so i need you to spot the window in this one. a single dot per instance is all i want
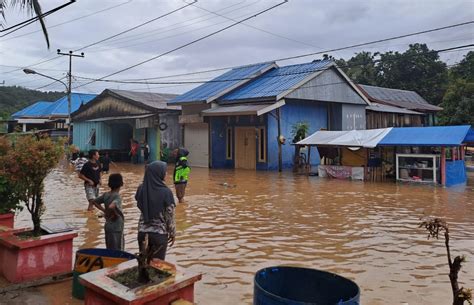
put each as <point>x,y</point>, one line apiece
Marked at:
<point>91,140</point>
<point>262,145</point>
<point>228,151</point>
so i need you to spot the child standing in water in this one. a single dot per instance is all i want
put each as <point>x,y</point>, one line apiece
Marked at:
<point>114,220</point>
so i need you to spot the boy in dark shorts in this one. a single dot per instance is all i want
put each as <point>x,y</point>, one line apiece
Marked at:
<point>114,220</point>
<point>90,173</point>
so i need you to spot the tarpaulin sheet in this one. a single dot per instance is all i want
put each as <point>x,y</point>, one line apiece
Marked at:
<point>426,136</point>
<point>353,138</point>
<point>455,172</point>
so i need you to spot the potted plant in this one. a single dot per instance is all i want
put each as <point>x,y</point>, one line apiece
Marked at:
<point>299,131</point>
<point>9,197</point>
<point>141,281</point>
<point>29,254</point>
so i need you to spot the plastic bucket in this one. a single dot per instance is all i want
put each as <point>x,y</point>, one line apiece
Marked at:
<point>302,286</point>
<point>94,259</point>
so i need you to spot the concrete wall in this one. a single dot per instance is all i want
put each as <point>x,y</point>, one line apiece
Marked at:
<point>173,134</point>
<point>353,117</point>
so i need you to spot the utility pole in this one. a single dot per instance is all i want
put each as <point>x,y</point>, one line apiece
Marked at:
<point>69,76</point>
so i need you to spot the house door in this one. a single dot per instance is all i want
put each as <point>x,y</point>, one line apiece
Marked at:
<point>245,148</point>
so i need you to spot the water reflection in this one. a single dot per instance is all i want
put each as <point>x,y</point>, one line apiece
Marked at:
<point>236,222</point>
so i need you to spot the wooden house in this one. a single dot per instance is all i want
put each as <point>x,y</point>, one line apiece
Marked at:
<point>115,117</point>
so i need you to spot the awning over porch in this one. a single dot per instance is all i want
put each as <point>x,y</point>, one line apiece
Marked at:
<point>427,136</point>
<point>242,109</point>
<point>352,138</point>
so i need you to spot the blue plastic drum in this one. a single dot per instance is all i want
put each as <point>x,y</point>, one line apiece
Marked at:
<point>302,286</point>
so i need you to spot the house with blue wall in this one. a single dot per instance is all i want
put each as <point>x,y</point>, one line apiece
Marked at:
<point>244,115</point>
<point>114,117</point>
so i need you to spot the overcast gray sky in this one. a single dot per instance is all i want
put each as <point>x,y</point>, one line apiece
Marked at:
<point>297,27</point>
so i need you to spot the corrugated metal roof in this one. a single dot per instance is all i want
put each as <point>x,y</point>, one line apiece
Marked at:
<point>426,136</point>
<point>390,109</point>
<point>59,107</point>
<point>223,83</point>
<point>34,110</point>
<point>245,109</point>
<point>155,100</point>
<point>398,98</point>
<point>275,82</point>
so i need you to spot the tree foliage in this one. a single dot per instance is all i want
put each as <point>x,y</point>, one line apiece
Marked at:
<point>28,161</point>
<point>420,69</point>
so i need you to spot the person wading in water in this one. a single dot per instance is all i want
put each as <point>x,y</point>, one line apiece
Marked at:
<point>181,173</point>
<point>156,203</point>
<point>90,173</point>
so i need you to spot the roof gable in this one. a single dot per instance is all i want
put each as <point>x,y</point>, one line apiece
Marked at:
<point>223,84</point>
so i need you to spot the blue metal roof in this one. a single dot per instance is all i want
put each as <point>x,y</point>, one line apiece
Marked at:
<point>36,109</point>
<point>222,83</point>
<point>426,136</point>
<point>470,136</point>
<point>275,81</point>
<point>59,107</point>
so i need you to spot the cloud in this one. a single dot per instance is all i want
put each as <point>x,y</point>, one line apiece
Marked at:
<point>308,25</point>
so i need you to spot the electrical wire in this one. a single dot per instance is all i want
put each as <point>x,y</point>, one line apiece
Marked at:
<point>69,21</point>
<point>146,81</point>
<point>135,27</point>
<point>192,42</point>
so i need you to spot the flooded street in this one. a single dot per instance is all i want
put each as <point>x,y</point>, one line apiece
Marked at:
<point>236,222</point>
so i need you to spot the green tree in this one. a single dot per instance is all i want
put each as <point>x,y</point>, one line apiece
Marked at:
<point>30,6</point>
<point>418,69</point>
<point>361,68</point>
<point>458,102</point>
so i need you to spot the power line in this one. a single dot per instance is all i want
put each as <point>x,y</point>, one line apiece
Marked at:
<point>34,19</point>
<point>268,76</point>
<point>172,27</point>
<point>69,21</point>
<point>191,42</point>
<point>107,38</point>
<point>135,27</point>
<point>254,27</point>
<point>312,54</point>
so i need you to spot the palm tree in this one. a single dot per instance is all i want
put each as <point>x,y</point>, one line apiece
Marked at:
<point>30,6</point>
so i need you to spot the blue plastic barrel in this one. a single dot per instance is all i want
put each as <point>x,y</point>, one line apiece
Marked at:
<point>92,259</point>
<point>302,286</point>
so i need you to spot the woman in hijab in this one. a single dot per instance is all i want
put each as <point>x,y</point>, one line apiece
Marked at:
<point>156,203</point>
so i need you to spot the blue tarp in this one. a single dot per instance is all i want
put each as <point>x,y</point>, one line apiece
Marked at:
<point>426,136</point>
<point>455,172</point>
<point>34,110</point>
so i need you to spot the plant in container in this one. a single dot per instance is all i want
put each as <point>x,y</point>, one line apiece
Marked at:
<point>150,281</point>
<point>9,196</point>
<point>31,254</point>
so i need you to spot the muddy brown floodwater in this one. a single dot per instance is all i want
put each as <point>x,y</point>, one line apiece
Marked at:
<point>236,222</point>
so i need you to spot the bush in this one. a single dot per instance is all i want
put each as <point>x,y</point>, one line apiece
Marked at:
<point>26,164</point>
